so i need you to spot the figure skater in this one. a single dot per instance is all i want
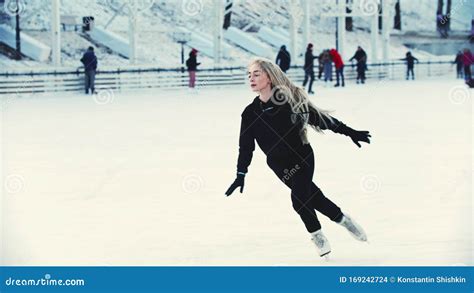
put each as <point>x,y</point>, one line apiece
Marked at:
<point>277,119</point>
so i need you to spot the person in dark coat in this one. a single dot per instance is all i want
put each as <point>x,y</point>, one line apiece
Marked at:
<point>327,66</point>
<point>459,65</point>
<point>89,60</point>
<point>192,65</point>
<point>309,68</point>
<point>339,65</point>
<point>320,65</point>
<point>410,60</point>
<point>361,57</point>
<point>277,119</point>
<point>467,60</point>
<point>283,59</point>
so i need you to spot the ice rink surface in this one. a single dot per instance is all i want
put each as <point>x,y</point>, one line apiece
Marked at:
<point>138,178</point>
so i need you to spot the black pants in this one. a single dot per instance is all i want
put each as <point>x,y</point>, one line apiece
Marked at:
<point>296,171</point>
<point>308,73</point>
<point>340,74</point>
<point>467,72</point>
<point>89,81</point>
<point>361,71</point>
<point>410,69</point>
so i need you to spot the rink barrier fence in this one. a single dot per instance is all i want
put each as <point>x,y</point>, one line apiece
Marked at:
<point>132,78</point>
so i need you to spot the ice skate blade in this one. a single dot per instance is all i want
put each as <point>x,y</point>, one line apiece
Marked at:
<point>325,255</point>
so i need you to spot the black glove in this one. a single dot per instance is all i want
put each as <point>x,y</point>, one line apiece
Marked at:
<point>239,181</point>
<point>357,136</point>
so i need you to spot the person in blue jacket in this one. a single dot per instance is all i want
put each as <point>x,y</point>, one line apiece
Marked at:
<point>277,119</point>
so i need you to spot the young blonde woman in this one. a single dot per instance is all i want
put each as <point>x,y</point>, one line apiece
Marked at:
<point>277,119</point>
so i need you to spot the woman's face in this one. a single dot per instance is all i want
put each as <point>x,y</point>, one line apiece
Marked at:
<point>258,79</point>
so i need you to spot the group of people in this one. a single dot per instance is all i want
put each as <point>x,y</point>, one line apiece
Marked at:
<point>326,58</point>
<point>89,61</point>
<point>325,65</point>
<point>464,61</point>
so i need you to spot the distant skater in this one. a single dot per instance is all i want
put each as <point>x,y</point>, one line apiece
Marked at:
<point>410,59</point>
<point>192,65</point>
<point>89,60</point>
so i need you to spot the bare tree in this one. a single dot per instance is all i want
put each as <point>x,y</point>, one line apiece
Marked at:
<point>348,18</point>
<point>448,15</point>
<point>440,7</point>
<point>398,17</point>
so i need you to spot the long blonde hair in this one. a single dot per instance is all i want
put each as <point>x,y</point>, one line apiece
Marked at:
<point>284,90</point>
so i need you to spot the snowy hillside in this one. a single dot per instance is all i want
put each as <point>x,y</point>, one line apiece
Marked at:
<point>158,20</point>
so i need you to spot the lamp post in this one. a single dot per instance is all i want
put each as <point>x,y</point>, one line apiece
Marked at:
<point>182,38</point>
<point>17,31</point>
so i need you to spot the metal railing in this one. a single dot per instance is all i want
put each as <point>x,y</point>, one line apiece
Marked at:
<point>132,78</point>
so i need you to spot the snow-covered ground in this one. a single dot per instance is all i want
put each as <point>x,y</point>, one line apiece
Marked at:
<point>140,179</point>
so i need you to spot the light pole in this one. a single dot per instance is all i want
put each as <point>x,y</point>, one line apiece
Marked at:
<point>182,38</point>
<point>337,28</point>
<point>17,31</point>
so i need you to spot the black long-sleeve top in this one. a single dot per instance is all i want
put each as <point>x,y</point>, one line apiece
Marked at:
<point>359,56</point>
<point>410,61</point>
<point>192,63</point>
<point>458,60</point>
<point>270,124</point>
<point>309,60</point>
<point>89,60</point>
<point>283,59</point>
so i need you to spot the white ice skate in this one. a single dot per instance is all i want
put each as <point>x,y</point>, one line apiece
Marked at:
<point>321,242</point>
<point>355,229</point>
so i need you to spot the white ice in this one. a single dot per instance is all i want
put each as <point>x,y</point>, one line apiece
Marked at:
<point>138,178</point>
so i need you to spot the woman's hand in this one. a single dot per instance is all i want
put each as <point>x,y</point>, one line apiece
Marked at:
<point>239,181</point>
<point>357,136</point>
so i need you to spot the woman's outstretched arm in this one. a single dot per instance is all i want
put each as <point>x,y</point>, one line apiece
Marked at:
<point>337,126</point>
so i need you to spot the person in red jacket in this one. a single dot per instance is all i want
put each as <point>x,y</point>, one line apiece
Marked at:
<point>339,64</point>
<point>467,60</point>
<point>192,65</point>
